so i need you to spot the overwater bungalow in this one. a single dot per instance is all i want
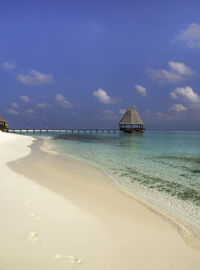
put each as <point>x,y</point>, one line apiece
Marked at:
<point>131,122</point>
<point>4,125</point>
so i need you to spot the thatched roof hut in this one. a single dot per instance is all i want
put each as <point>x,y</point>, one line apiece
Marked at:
<point>131,121</point>
<point>3,124</point>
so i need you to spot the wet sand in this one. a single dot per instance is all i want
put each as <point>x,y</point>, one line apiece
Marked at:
<point>60,213</point>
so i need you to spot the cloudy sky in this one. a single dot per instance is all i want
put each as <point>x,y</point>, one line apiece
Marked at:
<point>81,64</point>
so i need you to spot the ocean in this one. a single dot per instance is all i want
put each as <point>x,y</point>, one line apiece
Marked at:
<point>159,168</point>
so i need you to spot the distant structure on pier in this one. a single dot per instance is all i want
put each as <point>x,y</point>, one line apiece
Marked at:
<point>131,122</point>
<point>4,125</point>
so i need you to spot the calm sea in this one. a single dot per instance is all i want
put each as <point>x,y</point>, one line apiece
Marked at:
<point>159,168</point>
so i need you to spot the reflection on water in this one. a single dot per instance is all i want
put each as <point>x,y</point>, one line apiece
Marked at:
<point>166,161</point>
<point>120,139</point>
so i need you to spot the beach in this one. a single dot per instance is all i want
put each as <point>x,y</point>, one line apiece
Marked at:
<point>61,213</point>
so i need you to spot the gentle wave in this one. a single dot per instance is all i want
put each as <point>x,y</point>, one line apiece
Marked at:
<point>160,169</point>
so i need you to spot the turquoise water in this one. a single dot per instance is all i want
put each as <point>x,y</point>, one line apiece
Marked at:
<point>166,161</point>
<point>161,168</point>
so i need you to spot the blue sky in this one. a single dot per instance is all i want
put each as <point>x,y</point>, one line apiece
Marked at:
<point>80,64</point>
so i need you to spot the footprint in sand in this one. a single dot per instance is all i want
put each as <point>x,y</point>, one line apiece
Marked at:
<point>35,216</point>
<point>27,202</point>
<point>66,258</point>
<point>33,237</point>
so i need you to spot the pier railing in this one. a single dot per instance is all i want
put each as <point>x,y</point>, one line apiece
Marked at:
<point>64,131</point>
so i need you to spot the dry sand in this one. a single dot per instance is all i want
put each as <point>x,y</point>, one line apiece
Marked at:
<point>59,213</point>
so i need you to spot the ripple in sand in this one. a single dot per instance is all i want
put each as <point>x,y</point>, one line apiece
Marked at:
<point>66,258</point>
<point>27,202</point>
<point>35,216</point>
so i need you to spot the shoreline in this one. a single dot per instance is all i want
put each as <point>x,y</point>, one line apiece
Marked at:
<point>190,233</point>
<point>82,212</point>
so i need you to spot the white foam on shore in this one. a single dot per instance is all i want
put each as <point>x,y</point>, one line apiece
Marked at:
<point>68,236</point>
<point>169,208</point>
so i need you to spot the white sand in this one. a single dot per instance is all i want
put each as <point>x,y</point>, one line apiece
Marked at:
<point>70,218</point>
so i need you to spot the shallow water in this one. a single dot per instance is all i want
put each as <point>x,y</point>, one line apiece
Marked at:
<point>160,168</point>
<point>165,161</point>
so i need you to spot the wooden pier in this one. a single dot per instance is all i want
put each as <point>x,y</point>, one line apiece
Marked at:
<point>64,131</point>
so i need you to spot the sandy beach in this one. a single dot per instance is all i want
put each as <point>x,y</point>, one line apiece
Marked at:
<point>60,213</point>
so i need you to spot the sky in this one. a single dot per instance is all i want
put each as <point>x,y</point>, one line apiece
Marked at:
<point>81,63</point>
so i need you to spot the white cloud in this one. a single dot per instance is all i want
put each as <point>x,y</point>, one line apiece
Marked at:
<point>187,93</point>
<point>141,89</point>
<point>103,97</point>
<point>171,116</point>
<point>190,35</point>
<point>63,101</point>
<point>12,111</point>
<point>154,115</point>
<point>44,105</point>
<point>159,115</point>
<point>122,111</point>
<point>176,72</point>
<point>14,105</point>
<point>173,95</point>
<point>35,77</point>
<point>165,75</point>
<point>178,108</point>
<point>25,99</point>
<point>180,68</point>
<point>29,111</point>
<point>8,66</point>
<point>26,79</point>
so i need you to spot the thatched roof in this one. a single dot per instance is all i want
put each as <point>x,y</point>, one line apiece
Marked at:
<point>131,117</point>
<point>2,120</point>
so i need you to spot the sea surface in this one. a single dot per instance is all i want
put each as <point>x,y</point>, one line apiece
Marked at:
<point>159,168</point>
